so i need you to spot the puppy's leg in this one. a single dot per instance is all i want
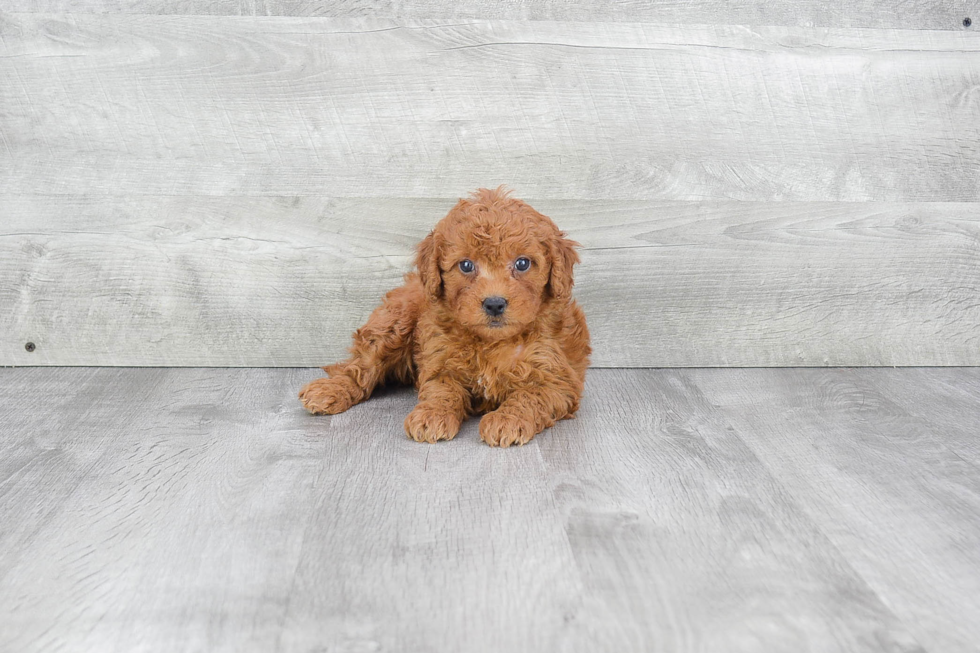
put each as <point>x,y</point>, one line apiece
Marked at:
<point>442,407</point>
<point>382,349</point>
<point>528,410</point>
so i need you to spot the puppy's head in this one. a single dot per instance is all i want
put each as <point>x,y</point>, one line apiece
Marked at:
<point>494,262</point>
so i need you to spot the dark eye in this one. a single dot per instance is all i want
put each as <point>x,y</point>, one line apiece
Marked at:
<point>466,266</point>
<point>522,264</point>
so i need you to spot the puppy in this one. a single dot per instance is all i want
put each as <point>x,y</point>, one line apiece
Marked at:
<point>486,326</point>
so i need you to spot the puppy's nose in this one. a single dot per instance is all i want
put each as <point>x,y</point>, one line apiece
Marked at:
<point>494,306</point>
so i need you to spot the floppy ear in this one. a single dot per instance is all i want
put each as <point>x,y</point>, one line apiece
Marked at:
<point>427,261</point>
<point>563,257</point>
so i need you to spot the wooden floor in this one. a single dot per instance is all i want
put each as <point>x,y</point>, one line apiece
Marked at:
<point>684,510</point>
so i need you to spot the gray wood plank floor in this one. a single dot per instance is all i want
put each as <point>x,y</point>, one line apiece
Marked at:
<point>683,510</point>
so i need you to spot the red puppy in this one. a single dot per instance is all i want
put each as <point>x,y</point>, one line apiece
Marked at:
<point>487,325</point>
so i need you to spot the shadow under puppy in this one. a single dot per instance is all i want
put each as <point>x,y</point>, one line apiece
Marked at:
<point>487,325</point>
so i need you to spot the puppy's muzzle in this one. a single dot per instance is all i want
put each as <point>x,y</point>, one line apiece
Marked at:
<point>494,306</point>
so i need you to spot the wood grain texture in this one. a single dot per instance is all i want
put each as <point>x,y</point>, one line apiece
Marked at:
<point>190,509</point>
<point>151,511</point>
<point>668,510</point>
<point>158,280</point>
<point>430,548</point>
<point>122,104</point>
<point>910,14</point>
<point>216,190</point>
<point>935,399</point>
<point>887,487</point>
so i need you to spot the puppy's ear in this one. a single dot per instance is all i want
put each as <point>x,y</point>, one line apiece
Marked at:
<point>563,257</point>
<point>427,261</point>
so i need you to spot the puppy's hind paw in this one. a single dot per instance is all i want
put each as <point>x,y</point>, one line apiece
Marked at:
<point>328,396</point>
<point>500,429</point>
<point>427,424</point>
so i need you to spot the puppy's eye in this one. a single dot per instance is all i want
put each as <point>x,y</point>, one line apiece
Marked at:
<point>466,266</point>
<point>522,264</point>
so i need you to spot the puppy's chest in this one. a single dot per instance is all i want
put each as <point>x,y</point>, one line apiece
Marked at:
<point>493,375</point>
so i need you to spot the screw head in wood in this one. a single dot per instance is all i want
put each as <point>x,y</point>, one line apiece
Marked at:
<point>30,346</point>
<point>967,22</point>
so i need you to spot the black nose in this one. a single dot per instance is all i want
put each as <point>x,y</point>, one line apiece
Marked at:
<point>494,306</point>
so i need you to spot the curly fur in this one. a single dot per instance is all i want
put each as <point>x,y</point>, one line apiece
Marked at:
<point>523,371</point>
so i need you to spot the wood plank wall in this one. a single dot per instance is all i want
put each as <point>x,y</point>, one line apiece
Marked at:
<point>236,183</point>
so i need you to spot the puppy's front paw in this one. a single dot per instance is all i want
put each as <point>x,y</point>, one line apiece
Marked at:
<point>327,396</point>
<point>428,424</point>
<point>500,429</point>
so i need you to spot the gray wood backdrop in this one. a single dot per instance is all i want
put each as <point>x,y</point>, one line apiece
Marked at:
<point>235,183</point>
